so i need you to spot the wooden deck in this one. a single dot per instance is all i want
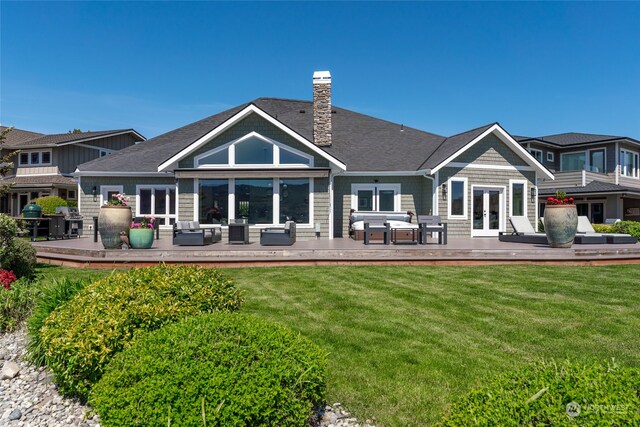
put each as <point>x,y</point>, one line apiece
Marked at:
<point>83,252</point>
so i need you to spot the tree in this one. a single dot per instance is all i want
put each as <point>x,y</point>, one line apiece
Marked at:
<point>6,165</point>
<point>76,131</point>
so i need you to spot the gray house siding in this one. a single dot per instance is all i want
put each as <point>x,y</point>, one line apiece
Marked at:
<point>489,152</point>
<point>415,196</point>
<point>68,157</point>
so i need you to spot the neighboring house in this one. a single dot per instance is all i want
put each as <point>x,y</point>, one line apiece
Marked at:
<point>277,159</point>
<point>601,172</point>
<point>44,163</point>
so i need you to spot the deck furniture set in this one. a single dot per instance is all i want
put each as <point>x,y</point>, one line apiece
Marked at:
<point>395,227</point>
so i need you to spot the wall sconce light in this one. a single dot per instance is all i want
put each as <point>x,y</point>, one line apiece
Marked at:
<point>444,191</point>
<point>533,194</point>
<point>94,192</point>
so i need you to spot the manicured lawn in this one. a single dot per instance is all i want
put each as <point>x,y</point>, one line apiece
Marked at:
<point>404,342</point>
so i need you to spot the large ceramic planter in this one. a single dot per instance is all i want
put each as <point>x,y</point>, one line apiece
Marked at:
<point>560,224</point>
<point>112,222</point>
<point>141,238</point>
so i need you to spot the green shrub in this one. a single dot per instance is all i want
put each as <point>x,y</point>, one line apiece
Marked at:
<point>52,295</point>
<point>21,259</point>
<point>8,230</point>
<point>16,303</point>
<point>608,395</point>
<point>628,227</point>
<point>219,370</point>
<point>603,228</point>
<point>81,336</point>
<point>50,203</point>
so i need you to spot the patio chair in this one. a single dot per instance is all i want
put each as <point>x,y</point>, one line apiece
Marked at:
<point>279,236</point>
<point>374,224</point>
<point>585,230</point>
<point>523,232</point>
<point>189,233</point>
<point>432,224</point>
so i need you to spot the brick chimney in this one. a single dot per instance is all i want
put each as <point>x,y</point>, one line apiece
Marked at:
<point>322,108</point>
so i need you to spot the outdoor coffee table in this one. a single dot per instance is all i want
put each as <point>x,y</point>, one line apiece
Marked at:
<point>414,236</point>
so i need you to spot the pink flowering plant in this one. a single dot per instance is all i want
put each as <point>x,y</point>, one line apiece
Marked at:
<point>118,199</point>
<point>147,221</point>
<point>7,278</point>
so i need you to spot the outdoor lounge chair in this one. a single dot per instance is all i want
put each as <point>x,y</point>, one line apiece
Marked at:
<point>523,232</point>
<point>189,233</point>
<point>432,224</point>
<point>374,224</point>
<point>585,230</point>
<point>280,236</point>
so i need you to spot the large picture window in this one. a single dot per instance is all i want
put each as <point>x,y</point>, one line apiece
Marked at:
<point>572,161</point>
<point>157,201</point>
<point>213,196</point>
<point>260,201</point>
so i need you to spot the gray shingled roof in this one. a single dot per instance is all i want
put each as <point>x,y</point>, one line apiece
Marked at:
<point>592,187</point>
<point>55,139</point>
<point>363,142</point>
<point>39,181</point>
<point>451,145</point>
<point>18,136</point>
<point>575,138</point>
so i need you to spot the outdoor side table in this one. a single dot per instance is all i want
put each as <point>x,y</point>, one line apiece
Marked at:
<point>238,233</point>
<point>414,236</point>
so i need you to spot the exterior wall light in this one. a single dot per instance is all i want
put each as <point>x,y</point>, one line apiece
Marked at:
<point>94,192</point>
<point>444,191</point>
<point>533,194</point>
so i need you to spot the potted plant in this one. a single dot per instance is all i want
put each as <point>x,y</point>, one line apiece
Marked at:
<point>141,233</point>
<point>114,221</point>
<point>560,220</point>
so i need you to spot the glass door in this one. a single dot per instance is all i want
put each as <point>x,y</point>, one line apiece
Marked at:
<point>488,211</point>
<point>375,197</point>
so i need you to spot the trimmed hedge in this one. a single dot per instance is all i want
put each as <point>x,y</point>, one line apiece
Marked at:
<point>625,227</point>
<point>607,395</point>
<point>82,336</point>
<point>50,203</point>
<point>52,295</point>
<point>218,370</point>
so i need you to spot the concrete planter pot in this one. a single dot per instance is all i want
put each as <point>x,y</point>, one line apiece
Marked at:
<point>141,238</point>
<point>560,225</point>
<point>112,221</point>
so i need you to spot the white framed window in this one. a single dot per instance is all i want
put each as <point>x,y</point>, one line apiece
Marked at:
<point>157,200</point>
<point>629,163</point>
<point>457,200</point>
<point>262,201</point>
<point>517,197</point>
<point>35,158</point>
<point>550,156</point>
<point>107,191</point>
<point>537,154</point>
<point>575,161</point>
<point>253,151</point>
<point>376,197</point>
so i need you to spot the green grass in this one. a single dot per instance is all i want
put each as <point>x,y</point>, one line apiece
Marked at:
<point>405,342</point>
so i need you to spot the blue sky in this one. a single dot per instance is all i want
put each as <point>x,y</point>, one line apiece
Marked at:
<point>537,68</point>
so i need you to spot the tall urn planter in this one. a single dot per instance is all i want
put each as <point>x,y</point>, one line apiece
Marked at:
<point>112,221</point>
<point>560,224</point>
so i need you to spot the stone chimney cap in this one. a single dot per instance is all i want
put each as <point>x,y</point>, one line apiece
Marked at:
<point>321,77</point>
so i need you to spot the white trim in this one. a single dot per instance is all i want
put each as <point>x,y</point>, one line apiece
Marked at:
<point>121,174</point>
<point>502,214</point>
<point>551,157</point>
<point>93,147</point>
<point>40,163</point>
<point>331,205</point>
<point>537,150</point>
<point>78,192</point>
<point>536,206</point>
<point>153,187</point>
<point>617,171</point>
<point>108,135</point>
<point>436,204</point>
<point>465,199</point>
<point>196,199</point>
<point>635,173</point>
<point>375,188</point>
<point>235,119</point>
<point>507,139</point>
<point>525,196</point>
<point>463,165</point>
<point>386,173</point>
<point>104,189</point>
<point>231,158</point>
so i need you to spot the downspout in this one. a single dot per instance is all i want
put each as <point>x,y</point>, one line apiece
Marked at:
<point>434,191</point>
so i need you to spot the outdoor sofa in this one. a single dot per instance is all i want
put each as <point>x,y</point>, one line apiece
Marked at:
<point>189,233</point>
<point>401,221</point>
<point>279,236</point>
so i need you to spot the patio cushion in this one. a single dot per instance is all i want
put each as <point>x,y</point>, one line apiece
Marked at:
<point>359,225</point>
<point>521,225</point>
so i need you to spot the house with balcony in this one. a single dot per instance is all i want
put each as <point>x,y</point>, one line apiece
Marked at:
<point>602,173</point>
<point>44,163</point>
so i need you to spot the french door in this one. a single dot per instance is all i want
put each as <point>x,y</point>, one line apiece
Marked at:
<point>487,210</point>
